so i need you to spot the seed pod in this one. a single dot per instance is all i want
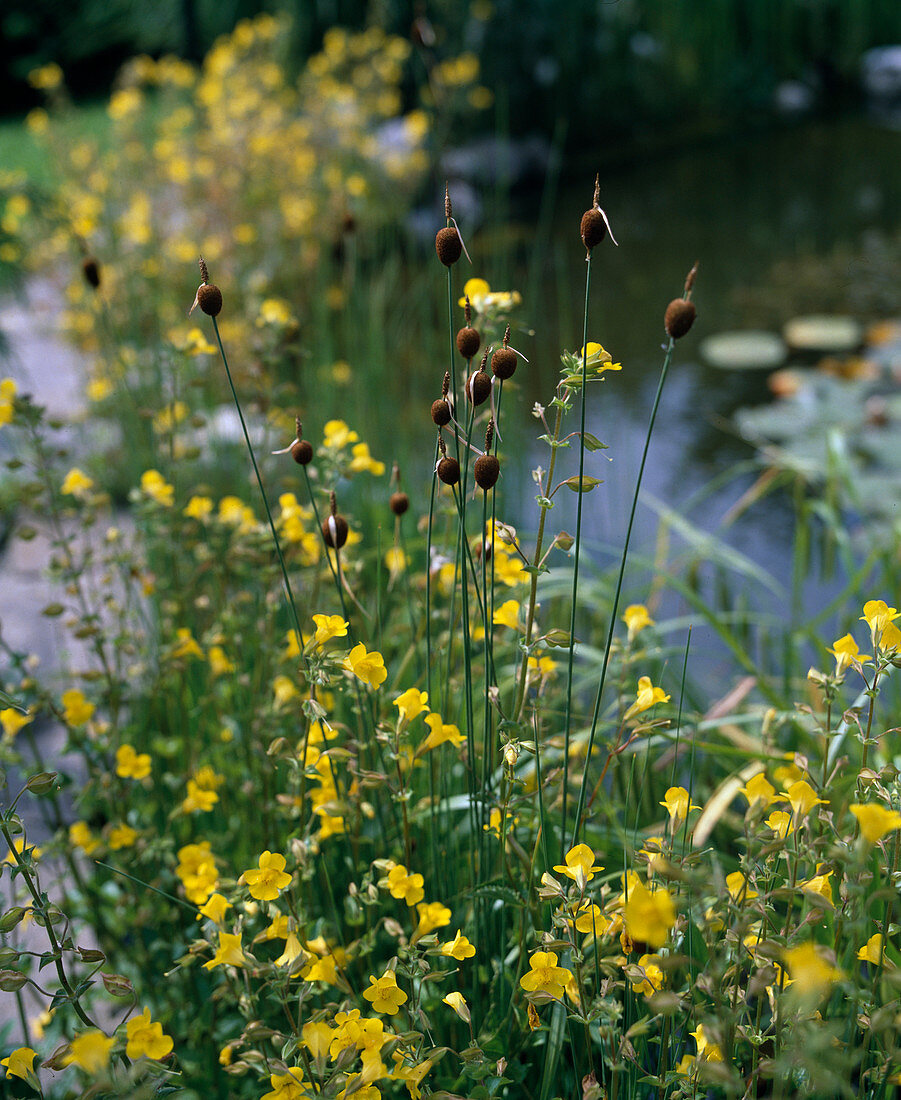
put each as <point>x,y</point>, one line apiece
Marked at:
<point>593,228</point>
<point>334,532</point>
<point>503,363</point>
<point>679,317</point>
<point>478,388</point>
<point>448,471</point>
<point>486,471</point>
<point>399,503</point>
<point>441,412</point>
<point>209,298</point>
<point>448,246</point>
<point>91,269</point>
<point>468,341</point>
<point>302,451</point>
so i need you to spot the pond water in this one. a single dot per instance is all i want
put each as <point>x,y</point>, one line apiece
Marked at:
<point>793,196</point>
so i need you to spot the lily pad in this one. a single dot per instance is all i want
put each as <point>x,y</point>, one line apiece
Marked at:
<point>824,334</point>
<point>748,350</point>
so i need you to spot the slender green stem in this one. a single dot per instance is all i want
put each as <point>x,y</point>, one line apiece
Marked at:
<point>577,827</point>
<point>567,722</point>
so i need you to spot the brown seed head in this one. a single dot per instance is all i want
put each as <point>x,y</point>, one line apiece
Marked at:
<point>486,471</point>
<point>441,413</point>
<point>209,298</point>
<point>593,228</point>
<point>334,532</point>
<point>448,246</point>
<point>90,268</point>
<point>503,363</point>
<point>399,503</point>
<point>302,451</point>
<point>478,388</point>
<point>679,317</point>
<point>448,470</point>
<point>468,341</point>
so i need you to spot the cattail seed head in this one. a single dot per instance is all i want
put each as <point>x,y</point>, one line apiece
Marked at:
<point>448,246</point>
<point>302,451</point>
<point>399,503</point>
<point>441,412</point>
<point>334,532</point>
<point>503,363</point>
<point>486,471</point>
<point>478,388</point>
<point>593,228</point>
<point>209,298</point>
<point>448,470</point>
<point>468,341</point>
<point>679,317</point>
<point>90,268</point>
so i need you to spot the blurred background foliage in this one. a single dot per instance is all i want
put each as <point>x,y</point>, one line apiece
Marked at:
<point>649,70</point>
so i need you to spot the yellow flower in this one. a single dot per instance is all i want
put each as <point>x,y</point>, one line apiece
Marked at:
<point>590,919</point>
<point>404,886</point>
<point>507,614</point>
<point>198,799</point>
<point>146,1039</point>
<point>89,1051</point>
<point>121,836</point>
<point>819,884</point>
<point>13,720</point>
<point>738,888</point>
<point>197,870</point>
<point>328,627</point>
<point>412,703</point>
<point>155,486</point>
<point>275,311</point>
<point>648,916</point>
<point>7,399</point>
<point>802,797</point>
<point>316,1037</point>
<point>598,358</point>
<point>292,950</point>
<point>476,290</point>
<point>20,1063</point>
<point>652,982</point>
<point>368,667</point>
<point>781,823</point>
<point>811,973</point>
<point>678,804</point>
<point>268,880</point>
<point>229,952</point>
<point>198,508</point>
<point>636,618</point>
<point>646,697</point>
<point>76,484</point>
<point>432,915</point>
<point>220,665</point>
<point>579,865</point>
<point>545,980</point>
<point>337,435</point>
<point>458,948</point>
<point>185,645</point>
<point>458,1003</point>
<point>873,951</point>
<point>76,709</point>
<point>47,78</point>
<point>284,689</point>
<point>384,994</point>
<point>707,1051</point>
<point>878,615</point>
<point>846,652</point>
<point>441,732</point>
<point>99,389</point>
<point>395,561</point>
<point>289,1086</point>
<point>214,908</point>
<point>759,792</point>
<point>362,461</point>
<point>131,764</point>
<point>80,836</point>
<point>875,821</point>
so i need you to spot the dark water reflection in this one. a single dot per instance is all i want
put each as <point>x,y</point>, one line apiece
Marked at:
<point>738,208</point>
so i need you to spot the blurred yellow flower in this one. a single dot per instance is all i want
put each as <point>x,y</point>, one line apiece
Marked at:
<point>12,720</point>
<point>76,484</point>
<point>648,916</point>
<point>131,764</point>
<point>873,951</point>
<point>89,1051</point>
<point>20,1063</point>
<point>121,836</point>
<point>802,797</point>
<point>47,78</point>
<point>8,391</point>
<point>76,708</point>
<point>759,792</point>
<point>80,836</point>
<point>875,821</point>
<point>811,972</point>
<point>636,618</point>
<point>146,1039</point>
<point>155,486</point>
<point>507,614</point>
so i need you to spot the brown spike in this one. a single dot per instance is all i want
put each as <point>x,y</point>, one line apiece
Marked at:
<point>204,271</point>
<point>448,209</point>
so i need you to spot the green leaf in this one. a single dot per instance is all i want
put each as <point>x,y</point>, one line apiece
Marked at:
<point>592,443</point>
<point>583,485</point>
<point>8,701</point>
